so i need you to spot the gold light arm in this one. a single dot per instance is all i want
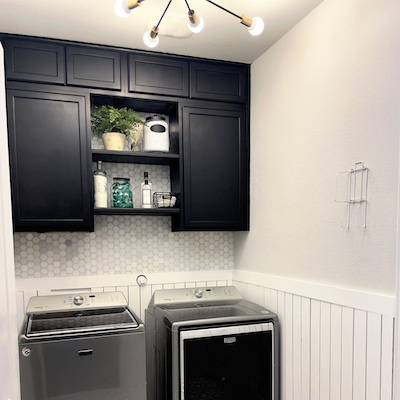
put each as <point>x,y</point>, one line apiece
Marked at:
<point>154,32</point>
<point>192,16</point>
<point>131,4</point>
<point>245,20</point>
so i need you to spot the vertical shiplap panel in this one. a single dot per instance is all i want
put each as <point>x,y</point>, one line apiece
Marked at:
<point>179,285</point>
<point>360,345</point>
<point>156,287</point>
<point>373,361</point>
<point>253,294</point>
<point>134,299</point>
<point>171,285</point>
<point>260,296</point>
<point>280,311</point>
<point>198,284</point>
<point>267,298</point>
<point>211,283</point>
<point>288,343</point>
<point>273,305</point>
<point>305,347</point>
<point>336,352</point>
<point>315,338</point>
<point>387,358</point>
<point>222,283</point>
<point>325,351</point>
<point>347,353</point>
<point>190,285</point>
<point>297,349</point>
<point>145,297</point>
<point>109,289</point>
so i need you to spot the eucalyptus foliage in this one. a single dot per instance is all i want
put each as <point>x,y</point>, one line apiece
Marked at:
<point>111,119</point>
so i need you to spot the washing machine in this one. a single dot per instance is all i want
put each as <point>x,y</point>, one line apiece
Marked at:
<point>210,343</point>
<point>82,347</point>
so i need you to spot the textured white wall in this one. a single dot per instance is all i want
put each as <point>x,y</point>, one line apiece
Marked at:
<point>324,97</point>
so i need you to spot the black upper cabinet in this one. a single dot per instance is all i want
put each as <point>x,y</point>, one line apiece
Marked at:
<point>51,187</point>
<point>215,164</point>
<point>219,81</point>
<point>158,75</point>
<point>207,103</point>
<point>93,67</point>
<point>35,61</point>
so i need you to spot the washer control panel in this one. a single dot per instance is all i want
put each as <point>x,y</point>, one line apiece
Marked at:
<point>196,296</point>
<point>68,302</point>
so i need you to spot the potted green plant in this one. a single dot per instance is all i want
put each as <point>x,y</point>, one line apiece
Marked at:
<point>116,124</point>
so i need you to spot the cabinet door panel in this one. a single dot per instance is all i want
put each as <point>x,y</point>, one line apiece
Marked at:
<point>49,161</point>
<point>217,81</point>
<point>158,75</point>
<point>216,169</point>
<point>93,68</point>
<point>34,61</point>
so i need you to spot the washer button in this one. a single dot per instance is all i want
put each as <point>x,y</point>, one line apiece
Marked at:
<point>198,293</point>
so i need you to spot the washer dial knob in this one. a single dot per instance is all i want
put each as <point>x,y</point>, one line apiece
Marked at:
<point>78,300</point>
<point>198,293</point>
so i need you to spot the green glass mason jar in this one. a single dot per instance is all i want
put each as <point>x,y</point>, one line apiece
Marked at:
<point>121,193</point>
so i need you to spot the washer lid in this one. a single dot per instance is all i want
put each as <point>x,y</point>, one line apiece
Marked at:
<point>79,322</point>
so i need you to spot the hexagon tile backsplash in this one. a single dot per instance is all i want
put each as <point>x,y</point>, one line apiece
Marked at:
<point>121,245</point>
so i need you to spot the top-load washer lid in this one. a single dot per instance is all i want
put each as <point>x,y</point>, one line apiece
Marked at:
<point>79,322</point>
<point>78,314</point>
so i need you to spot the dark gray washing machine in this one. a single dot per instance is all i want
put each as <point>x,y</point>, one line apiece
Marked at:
<point>210,344</point>
<point>82,347</point>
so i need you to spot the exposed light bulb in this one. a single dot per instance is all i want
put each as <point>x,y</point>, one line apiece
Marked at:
<point>257,26</point>
<point>121,9</point>
<point>150,41</point>
<point>197,26</point>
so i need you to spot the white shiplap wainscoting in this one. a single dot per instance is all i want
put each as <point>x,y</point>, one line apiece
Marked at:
<point>336,344</point>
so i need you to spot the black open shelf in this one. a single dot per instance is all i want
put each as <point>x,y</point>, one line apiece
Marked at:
<point>135,157</point>
<point>137,211</point>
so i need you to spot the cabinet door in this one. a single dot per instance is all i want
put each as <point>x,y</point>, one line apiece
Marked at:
<point>35,61</point>
<point>158,75</point>
<point>51,188</point>
<point>93,68</point>
<point>215,164</point>
<point>217,81</point>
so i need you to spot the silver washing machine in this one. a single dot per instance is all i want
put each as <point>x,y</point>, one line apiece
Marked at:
<point>210,344</point>
<point>82,347</point>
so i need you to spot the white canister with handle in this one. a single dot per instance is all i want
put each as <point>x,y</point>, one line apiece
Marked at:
<point>156,134</point>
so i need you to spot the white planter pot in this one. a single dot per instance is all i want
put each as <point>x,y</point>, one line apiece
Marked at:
<point>114,140</point>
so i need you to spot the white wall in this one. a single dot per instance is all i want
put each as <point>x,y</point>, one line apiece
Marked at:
<point>9,373</point>
<point>322,98</point>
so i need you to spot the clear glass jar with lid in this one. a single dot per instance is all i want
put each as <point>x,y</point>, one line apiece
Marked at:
<point>121,193</point>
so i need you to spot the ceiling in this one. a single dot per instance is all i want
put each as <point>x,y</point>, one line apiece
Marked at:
<point>94,21</point>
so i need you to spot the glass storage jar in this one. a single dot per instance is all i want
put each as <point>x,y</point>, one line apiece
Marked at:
<point>121,193</point>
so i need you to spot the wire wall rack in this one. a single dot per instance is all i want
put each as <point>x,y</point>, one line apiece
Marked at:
<point>351,188</point>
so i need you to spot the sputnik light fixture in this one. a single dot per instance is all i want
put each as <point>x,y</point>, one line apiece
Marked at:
<point>123,9</point>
